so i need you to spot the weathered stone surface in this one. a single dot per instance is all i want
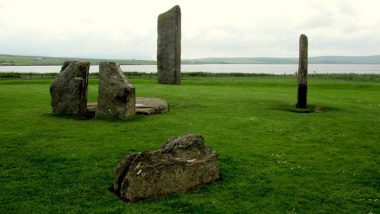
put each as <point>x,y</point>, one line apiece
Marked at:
<point>149,105</point>
<point>169,46</point>
<point>69,89</point>
<point>302,73</point>
<point>144,105</point>
<point>181,164</point>
<point>116,97</point>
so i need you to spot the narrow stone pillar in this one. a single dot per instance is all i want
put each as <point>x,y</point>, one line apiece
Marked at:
<point>169,46</point>
<point>69,89</point>
<point>116,96</point>
<point>302,73</point>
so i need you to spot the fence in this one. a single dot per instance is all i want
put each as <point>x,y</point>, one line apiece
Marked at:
<point>140,75</point>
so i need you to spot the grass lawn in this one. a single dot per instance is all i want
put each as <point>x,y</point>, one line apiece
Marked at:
<point>272,160</point>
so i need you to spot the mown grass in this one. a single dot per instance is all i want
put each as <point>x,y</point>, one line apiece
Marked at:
<point>273,160</point>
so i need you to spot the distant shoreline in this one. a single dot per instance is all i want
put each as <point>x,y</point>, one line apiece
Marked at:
<point>276,69</point>
<point>16,60</point>
<point>331,63</point>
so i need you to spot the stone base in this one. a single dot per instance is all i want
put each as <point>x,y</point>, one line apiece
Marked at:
<point>144,105</point>
<point>308,109</point>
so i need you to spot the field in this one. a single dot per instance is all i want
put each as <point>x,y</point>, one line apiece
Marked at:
<point>272,160</point>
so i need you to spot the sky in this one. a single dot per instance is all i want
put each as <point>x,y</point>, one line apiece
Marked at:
<point>126,29</point>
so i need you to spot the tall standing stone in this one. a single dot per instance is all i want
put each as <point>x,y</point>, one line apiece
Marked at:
<point>69,89</point>
<point>116,97</point>
<point>169,46</point>
<point>302,73</point>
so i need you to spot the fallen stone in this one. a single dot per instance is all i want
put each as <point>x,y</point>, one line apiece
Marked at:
<point>69,89</point>
<point>144,105</point>
<point>169,46</point>
<point>116,97</point>
<point>181,164</point>
<point>149,106</point>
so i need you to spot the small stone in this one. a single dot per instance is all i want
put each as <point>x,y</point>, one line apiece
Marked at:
<point>116,97</point>
<point>69,89</point>
<point>169,46</point>
<point>181,164</point>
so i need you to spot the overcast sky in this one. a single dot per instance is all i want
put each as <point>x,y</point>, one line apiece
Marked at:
<point>218,28</point>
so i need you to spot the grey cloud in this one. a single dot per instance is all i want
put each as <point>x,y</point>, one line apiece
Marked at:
<point>346,8</point>
<point>332,27</point>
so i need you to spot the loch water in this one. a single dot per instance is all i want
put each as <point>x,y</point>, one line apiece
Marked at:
<point>276,69</point>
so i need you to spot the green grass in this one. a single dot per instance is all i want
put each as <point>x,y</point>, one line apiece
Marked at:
<point>272,160</point>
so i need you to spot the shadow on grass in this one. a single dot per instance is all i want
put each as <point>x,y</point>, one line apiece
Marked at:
<point>312,108</point>
<point>187,106</point>
<point>133,118</point>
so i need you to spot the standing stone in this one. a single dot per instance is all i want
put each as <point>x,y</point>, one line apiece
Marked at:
<point>116,97</point>
<point>302,73</point>
<point>69,89</point>
<point>169,46</point>
<point>182,163</point>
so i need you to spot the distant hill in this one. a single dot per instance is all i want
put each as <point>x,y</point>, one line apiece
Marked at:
<point>346,59</point>
<point>241,60</point>
<point>41,60</point>
<point>271,60</point>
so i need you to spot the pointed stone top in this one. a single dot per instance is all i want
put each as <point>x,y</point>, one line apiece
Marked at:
<point>174,10</point>
<point>112,68</point>
<point>109,63</point>
<point>83,65</point>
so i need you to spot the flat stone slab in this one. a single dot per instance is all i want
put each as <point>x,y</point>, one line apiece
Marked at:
<point>150,105</point>
<point>144,105</point>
